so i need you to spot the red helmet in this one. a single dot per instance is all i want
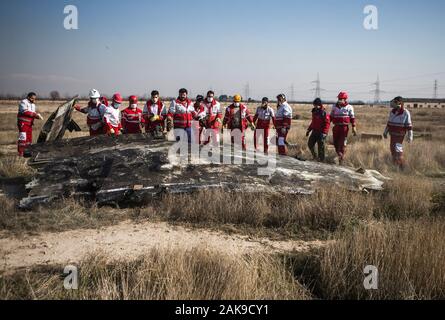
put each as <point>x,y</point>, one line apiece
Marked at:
<point>133,99</point>
<point>104,101</point>
<point>117,98</point>
<point>343,95</point>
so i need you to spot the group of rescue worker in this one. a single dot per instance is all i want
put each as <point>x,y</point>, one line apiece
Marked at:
<point>104,117</point>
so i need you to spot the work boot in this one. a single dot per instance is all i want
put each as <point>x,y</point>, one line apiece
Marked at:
<point>314,155</point>
<point>340,159</point>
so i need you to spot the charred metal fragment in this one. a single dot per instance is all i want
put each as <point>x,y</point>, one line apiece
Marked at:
<point>132,169</point>
<point>59,121</point>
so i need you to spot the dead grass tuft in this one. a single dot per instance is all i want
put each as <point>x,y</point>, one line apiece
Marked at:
<point>160,275</point>
<point>13,166</point>
<point>63,215</point>
<point>409,256</point>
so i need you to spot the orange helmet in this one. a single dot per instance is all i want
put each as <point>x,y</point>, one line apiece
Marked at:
<point>237,98</point>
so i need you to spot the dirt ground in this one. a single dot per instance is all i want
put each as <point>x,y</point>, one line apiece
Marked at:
<point>128,241</point>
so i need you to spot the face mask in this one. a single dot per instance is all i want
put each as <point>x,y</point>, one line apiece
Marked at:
<point>237,104</point>
<point>394,105</point>
<point>116,105</point>
<point>342,102</point>
<point>155,100</point>
<point>94,101</point>
<point>210,99</point>
<point>133,106</point>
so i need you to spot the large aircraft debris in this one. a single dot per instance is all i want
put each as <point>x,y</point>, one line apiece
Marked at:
<point>132,169</point>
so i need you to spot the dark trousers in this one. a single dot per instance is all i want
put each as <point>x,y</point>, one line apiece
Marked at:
<point>317,138</point>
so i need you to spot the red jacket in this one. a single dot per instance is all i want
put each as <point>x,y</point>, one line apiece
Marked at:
<point>263,117</point>
<point>342,115</point>
<point>150,110</point>
<point>399,122</point>
<point>182,112</point>
<point>95,113</point>
<point>213,112</point>
<point>320,121</point>
<point>27,112</point>
<point>132,120</point>
<point>283,118</point>
<point>237,117</point>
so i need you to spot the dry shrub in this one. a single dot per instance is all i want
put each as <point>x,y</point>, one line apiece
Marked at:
<point>409,256</point>
<point>163,274</point>
<point>13,166</point>
<point>8,122</point>
<point>329,209</point>
<point>370,155</point>
<point>62,215</point>
<point>215,206</point>
<point>406,197</point>
<point>7,210</point>
<point>427,157</point>
<point>319,211</point>
<point>8,137</point>
<point>424,157</point>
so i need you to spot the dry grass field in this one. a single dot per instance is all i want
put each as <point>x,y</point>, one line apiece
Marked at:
<point>400,230</point>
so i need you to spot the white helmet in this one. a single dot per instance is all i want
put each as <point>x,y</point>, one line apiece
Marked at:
<point>94,94</point>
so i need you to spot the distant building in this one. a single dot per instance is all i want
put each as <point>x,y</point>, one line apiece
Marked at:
<point>415,103</point>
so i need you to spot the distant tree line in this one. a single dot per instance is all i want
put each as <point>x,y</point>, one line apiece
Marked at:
<point>53,96</point>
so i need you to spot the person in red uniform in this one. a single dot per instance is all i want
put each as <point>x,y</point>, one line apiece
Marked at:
<point>264,115</point>
<point>211,110</point>
<point>237,118</point>
<point>182,114</point>
<point>132,119</point>
<point>104,101</point>
<point>399,125</point>
<point>283,122</point>
<point>318,130</point>
<point>342,115</point>
<point>25,120</point>
<point>199,108</point>
<point>95,112</point>
<point>112,116</point>
<point>154,114</point>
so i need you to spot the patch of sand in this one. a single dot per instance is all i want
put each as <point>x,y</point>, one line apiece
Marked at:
<point>129,240</point>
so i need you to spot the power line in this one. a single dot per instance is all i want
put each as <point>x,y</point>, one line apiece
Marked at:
<point>317,88</point>
<point>435,89</point>
<point>292,92</point>
<point>389,80</point>
<point>415,77</point>
<point>377,91</point>
<point>247,91</point>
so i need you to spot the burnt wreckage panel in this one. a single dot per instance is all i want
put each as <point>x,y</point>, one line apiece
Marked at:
<point>131,169</point>
<point>59,121</point>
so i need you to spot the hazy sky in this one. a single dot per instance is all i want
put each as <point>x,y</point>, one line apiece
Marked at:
<point>135,46</point>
